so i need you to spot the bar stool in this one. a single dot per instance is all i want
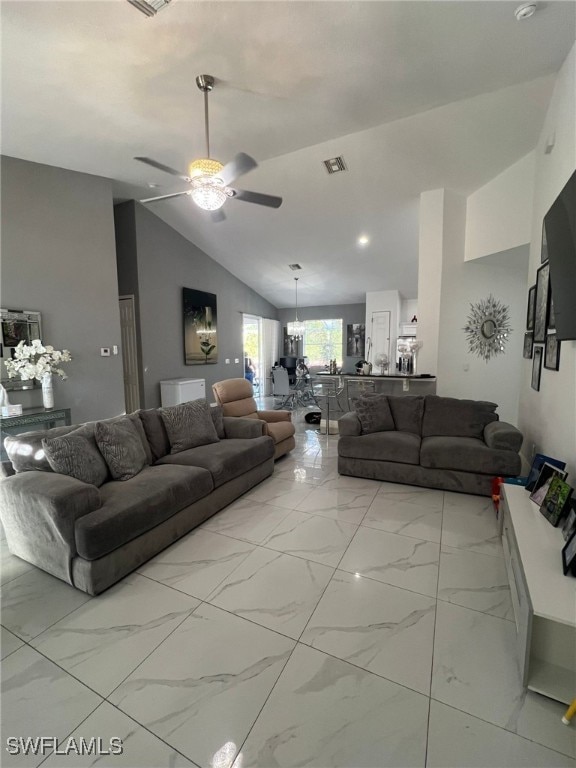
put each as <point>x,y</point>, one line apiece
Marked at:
<point>326,392</point>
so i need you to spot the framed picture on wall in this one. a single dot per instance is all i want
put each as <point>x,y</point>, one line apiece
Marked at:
<point>551,315</point>
<point>528,345</point>
<point>544,247</point>
<point>200,327</point>
<point>541,303</point>
<point>355,339</point>
<point>531,309</point>
<point>552,353</point>
<point>536,368</point>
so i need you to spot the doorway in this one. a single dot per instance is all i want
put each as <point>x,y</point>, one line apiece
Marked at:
<point>252,335</point>
<point>380,337</point>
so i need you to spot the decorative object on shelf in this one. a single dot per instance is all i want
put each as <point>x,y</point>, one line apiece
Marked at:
<point>296,328</point>
<point>414,345</point>
<point>528,345</point>
<point>531,309</point>
<point>488,327</point>
<point>414,319</point>
<point>552,354</point>
<point>200,327</point>
<point>6,407</point>
<point>383,361</point>
<point>36,361</point>
<point>405,357</point>
<point>569,556</point>
<point>536,368</point>
<point>555,502</point>
<point>355,339</point>
<point>541,302</point>
<point>47,392</point>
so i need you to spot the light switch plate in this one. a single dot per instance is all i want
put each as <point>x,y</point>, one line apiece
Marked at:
<point>236,359</point>
<point>104,351</point>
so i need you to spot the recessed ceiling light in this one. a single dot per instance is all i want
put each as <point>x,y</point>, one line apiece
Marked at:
<point>524,11</point>
<point>363,240</point>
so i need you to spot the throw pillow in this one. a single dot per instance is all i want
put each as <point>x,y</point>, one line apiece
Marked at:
<point>374,414</point>
<point>218,420</point>
<point>189,425</point>
<point>453,417</point>
<point>155,433</point>
<point>121,446</point>
<point>407,412</point>
<point>76,454</point>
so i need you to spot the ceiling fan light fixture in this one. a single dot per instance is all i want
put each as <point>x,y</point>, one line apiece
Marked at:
<point>204,166</point>
<point>208,195</point>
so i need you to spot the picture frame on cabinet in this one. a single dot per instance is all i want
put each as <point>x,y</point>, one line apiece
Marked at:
<point>552,353</point>
<point>541,303</point>
<point>569,525</point>
<point>536,368</point>
<point>556,500</point>
<point>542,484</point>
<point>531,308</point>
<point>528,345</point>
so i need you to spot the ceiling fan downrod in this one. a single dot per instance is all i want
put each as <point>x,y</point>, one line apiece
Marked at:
<point>205,83</point>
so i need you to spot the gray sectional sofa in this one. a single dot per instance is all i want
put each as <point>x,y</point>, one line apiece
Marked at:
<point>437,442</point>
<point>91,534</point>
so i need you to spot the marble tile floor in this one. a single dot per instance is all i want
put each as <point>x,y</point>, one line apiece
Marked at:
<point>318,621</point>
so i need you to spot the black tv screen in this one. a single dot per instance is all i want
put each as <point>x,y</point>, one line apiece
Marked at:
<point>560,231</point>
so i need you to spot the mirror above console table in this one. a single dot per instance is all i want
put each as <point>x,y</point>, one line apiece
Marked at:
<point>17,325</point>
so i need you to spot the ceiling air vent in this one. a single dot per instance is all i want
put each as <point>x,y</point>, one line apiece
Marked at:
<point>335,165</point>
<point>149,7</point>
<point>294,267</point>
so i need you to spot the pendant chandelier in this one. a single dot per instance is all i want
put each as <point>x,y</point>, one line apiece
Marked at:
<point>296,329</point>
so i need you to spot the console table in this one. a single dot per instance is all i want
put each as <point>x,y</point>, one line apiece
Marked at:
<point>544,600</point>
<point>31,418</point>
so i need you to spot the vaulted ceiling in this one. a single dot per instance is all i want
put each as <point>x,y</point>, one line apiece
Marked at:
<point>414,94</point>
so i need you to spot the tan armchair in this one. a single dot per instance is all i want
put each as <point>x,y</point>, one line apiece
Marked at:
<point>236,397</point>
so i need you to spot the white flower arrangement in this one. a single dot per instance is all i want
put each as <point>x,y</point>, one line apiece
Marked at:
<point>33,361</point>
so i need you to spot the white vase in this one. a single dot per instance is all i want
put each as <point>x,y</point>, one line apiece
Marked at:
<point>47,391</point>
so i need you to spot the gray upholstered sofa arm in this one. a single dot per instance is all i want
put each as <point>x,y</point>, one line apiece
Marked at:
<point>349,424</point>
<point>503,436</point>
<point>238,427</point>
<point>39,512</point>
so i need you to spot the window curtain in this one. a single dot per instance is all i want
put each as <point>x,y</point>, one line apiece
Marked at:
<point>270,335</point>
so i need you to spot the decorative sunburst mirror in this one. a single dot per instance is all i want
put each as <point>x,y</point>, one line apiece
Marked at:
<point>487,328</point>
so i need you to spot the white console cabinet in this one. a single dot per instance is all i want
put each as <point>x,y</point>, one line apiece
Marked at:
<point>176,391</point>
<point>544,599</point>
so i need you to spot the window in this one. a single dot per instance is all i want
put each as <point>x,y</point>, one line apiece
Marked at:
<point>323,341</point>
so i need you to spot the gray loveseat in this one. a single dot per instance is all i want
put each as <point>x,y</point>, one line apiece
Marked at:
<point>92,536</point>
<point>437,442</point>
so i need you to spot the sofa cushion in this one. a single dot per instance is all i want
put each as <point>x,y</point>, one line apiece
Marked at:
<point>121,446</point>
<point>225,459</point>
<point>218,420</point>
<point>401,447</point>
<point>25,451</point>
<point>457,418</point>
<point>132,507</point>
<point>189,425</point>
<point>155,432</point>
<point>407,412</point>
<point>374,414</point>
<point>467,454</point>
<point>76,455</point>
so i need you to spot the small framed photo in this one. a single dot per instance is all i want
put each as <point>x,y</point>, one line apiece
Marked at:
<point>541,303</point>
<point>552,354</point>
<point>556,500</point>
<point>569,524</point>
<point>531,309</point>
<point>551,315</point>
<point>536,368</point>
<point>528,345</point>
<point>542,484</point>
<point>569,556</point>
<point>537,463</point>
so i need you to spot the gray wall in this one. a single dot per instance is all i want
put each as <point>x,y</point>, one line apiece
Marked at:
<point>349,313</point>
<point>163,263</point>
<point>58,257</point>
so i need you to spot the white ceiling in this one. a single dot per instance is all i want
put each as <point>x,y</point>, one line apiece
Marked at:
<point>415,95</point>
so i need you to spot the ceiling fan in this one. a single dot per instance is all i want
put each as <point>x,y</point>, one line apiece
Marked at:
<point>208,178</point>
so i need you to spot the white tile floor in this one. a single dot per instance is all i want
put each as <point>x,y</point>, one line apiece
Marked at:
<point>318,621</point>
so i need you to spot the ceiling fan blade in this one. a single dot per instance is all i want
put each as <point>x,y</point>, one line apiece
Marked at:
<point>164,197</point>
<point>256,197</point>
<point>237,167</point>
<point>218,215</point>
<point>161,167</point>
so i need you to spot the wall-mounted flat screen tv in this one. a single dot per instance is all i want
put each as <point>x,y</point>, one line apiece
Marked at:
<point>560,230</point>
